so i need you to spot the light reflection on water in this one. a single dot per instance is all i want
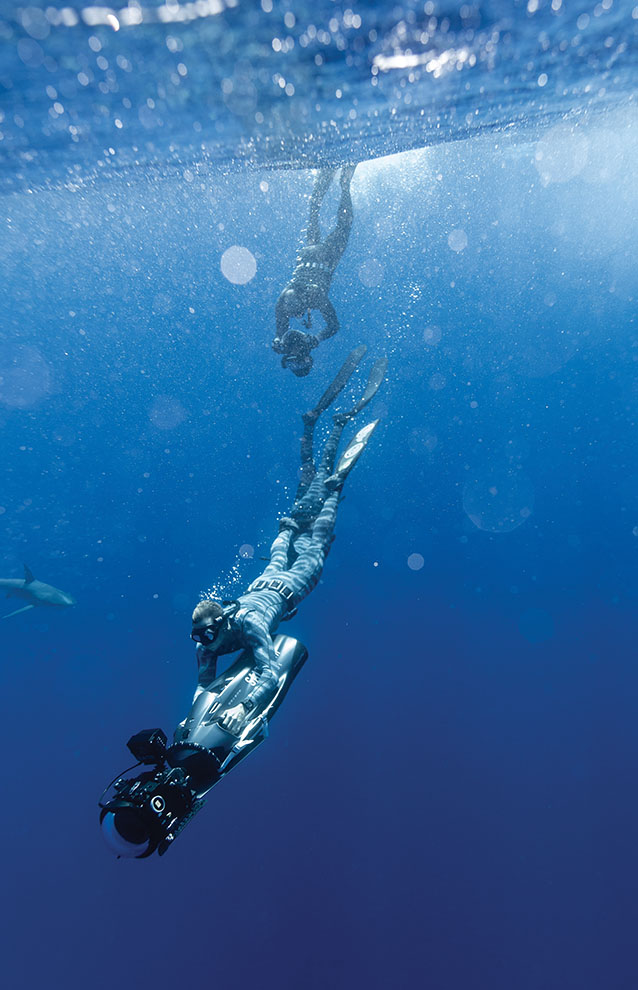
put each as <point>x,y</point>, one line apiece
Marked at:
<point>86,90</point>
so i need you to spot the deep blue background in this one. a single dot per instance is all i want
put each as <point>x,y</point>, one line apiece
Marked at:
<point>447,797</point>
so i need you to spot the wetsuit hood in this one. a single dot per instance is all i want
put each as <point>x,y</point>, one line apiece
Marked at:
<point>300,366</point>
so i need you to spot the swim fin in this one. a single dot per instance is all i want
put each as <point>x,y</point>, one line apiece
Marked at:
<point>351,455</point>
<point>339,382</point>
<point>375,380</point>
<point>310,418</point>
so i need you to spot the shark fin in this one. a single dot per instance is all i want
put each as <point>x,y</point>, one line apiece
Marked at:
<point>28,576</point>
<point>18,611</point>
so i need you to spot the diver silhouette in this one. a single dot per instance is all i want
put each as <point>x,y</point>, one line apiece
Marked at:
<point>310,282</point>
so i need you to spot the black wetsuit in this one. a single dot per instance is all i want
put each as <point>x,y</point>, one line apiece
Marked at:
<point>314,268</point>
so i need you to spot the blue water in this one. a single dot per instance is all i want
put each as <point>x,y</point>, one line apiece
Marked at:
<point>446,798</point>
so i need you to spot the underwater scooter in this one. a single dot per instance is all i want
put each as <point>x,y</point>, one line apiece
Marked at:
<point>146,812</point>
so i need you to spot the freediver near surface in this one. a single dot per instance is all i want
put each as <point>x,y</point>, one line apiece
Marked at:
<point>310,282</point>
<point>231,712</point>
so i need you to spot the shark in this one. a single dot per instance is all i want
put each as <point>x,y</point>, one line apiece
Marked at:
<point>36,593</point>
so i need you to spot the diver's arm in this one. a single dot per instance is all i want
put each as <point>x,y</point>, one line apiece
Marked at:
<point>282,323</point>
<point>260,642</point>
<point>206,665</point>
<point>255,637</point>
<point>327,310</point>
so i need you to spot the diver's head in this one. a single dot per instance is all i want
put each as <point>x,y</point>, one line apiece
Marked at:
<point>293,303</point>
<point>208,622</point>
<point>299,365</point>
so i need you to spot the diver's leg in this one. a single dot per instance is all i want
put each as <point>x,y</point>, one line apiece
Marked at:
<point>331,446</point>
<point>336,242</point>
<point>312,494</point>
<point>325,481</point>
<point>308,470</point>
<point>308,505</point>
<point>302,577</point>
<point>334,481</point>
<point>279,552</point>
<point>328,480</point>
<point>309,500</point>
<point>312,549</point>
<point>322,184</point>
<point>324,524</point>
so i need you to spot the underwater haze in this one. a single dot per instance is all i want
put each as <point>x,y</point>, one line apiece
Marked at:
<point>446,799</point>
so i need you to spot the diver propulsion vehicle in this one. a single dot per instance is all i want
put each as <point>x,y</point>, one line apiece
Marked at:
<point>146,812</point>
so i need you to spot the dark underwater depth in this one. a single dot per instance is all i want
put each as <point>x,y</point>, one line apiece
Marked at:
<point>446,799</point>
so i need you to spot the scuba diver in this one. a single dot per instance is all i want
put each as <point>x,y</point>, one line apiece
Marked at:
<point>308,288</point>
<point>231,712</point>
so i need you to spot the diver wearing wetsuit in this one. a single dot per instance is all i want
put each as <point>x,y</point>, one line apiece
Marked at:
<point>310,283</point>
<point>296,557</point>
<point>262,608</point>
<point>145,812</point>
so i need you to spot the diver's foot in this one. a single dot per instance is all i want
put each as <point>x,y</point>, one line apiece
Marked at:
<point>335,482</point>
<point>286,522</point>
<point>304,527</point>
<point>340,419</point>
<point>301,518</point>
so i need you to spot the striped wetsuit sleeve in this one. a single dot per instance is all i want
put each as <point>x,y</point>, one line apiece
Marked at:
<point>258,639</point>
